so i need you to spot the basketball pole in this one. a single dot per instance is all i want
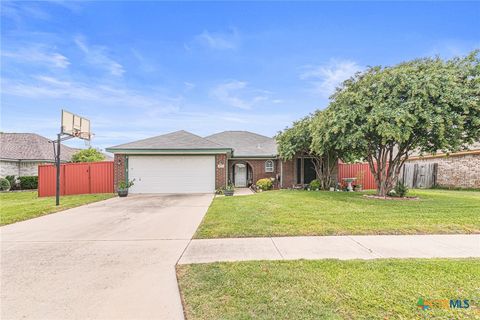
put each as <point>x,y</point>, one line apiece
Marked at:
<point>57,162</point>
<point>74,130</point>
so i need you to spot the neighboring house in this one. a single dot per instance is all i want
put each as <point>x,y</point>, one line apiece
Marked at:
<point>21,153</point>
<point>182,162</point>
<point>459,169</point>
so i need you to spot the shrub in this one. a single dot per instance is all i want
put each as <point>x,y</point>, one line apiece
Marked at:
<point>400,189</point>
<point>264,184</point>
<point>122,185</point>
<point>28,182</point>
<point>13,182</point>
<point>88,155</point>
<point>4,184</point>
<point>314,185</point>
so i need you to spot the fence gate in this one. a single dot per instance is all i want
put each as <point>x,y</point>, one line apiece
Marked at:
<point>76,178</point>
<point>420,175</point>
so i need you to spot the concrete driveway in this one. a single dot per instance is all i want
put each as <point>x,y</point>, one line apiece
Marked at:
<point>113,259</point>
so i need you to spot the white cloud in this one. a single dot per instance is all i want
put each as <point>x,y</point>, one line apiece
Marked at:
<point>189,85</point>
<point>38,54</point>
<point>236,94</point>
<point>19,11</point>
<point>325,78</point>
<point>47,87</point>
<point>144,63</point>
<point>97,56</point>
<point>218,40</point>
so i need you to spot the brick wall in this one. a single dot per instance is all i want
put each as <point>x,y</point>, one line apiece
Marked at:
<point>258,169</point>
<point>288,173</point>
<point>119,169</point>
<point>9,168</point>
<point>29,168</point>
<point>456,171</point>
<point>220,170</point>
<point>19,168</point>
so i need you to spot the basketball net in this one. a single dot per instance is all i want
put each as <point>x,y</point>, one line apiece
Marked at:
<point>82,135</point>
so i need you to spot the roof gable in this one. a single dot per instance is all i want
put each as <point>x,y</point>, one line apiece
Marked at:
<point>245,143</point>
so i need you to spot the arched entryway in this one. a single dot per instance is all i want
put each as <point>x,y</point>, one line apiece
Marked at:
<point>241,174</point>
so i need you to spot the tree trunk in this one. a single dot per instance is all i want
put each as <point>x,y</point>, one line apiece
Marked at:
<point>386,167</point>
<point>323,168</point>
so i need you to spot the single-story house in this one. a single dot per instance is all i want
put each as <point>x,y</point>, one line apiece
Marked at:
<point>21,153</point>
<point>454,170</point>
<point>182,162</point>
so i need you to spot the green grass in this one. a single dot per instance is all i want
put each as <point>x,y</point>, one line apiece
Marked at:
<point>328,289</point>
<point>19,206</point>
<point>294,213</point>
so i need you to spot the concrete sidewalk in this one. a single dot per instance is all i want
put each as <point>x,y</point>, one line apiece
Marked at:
<point>332,247</point>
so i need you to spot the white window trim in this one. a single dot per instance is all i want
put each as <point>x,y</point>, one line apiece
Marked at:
<point>268,167</point>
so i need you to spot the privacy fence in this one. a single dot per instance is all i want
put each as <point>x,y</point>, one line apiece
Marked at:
<point>414,175</point>
<point>76,178</point>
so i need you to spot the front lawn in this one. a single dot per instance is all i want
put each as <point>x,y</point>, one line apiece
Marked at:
<point>329,289</point>
<point>19,206</point>
<point>295,213</point>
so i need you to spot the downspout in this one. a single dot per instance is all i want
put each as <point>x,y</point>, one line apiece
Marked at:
<point>281,174</point>
<point>126,169</point>
<point>226,169</point>
<point>302,170</point>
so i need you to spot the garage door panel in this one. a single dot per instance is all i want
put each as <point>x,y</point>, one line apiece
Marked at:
<point>172,174</point>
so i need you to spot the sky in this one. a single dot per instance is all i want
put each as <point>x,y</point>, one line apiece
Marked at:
<point>141,69</point>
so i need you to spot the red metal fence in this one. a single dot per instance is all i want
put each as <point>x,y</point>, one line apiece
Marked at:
<point>361,171</point>
<point>76,178</point>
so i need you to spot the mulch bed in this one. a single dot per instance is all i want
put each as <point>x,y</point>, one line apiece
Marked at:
<point>390,198</point>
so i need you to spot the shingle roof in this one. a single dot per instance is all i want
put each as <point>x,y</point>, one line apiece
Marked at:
<point>245,143</point>
<point>178,140</point>
<point>30,146</point>
<point>472,147</point>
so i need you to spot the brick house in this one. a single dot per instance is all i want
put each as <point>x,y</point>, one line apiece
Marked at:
<point>21,153</point>
<point>458,170</point>
<point>182,162</point>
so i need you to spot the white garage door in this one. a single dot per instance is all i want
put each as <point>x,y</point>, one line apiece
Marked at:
<point>172,174</point>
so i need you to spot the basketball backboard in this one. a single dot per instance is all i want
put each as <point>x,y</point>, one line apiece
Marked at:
<point>75,126</point>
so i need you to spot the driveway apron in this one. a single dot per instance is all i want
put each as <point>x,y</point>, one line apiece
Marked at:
<point>113,259</point>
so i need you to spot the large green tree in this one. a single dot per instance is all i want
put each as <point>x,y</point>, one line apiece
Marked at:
<point>383,114</point>
<point>297,140</point>
<point>88,155</point>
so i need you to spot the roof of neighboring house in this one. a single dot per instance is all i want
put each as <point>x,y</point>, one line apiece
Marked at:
<point>178,140</point>
<point>246,144</point>
<point>30,146</point>
<point>473,148</point>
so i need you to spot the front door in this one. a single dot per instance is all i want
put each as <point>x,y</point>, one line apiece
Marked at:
<point>240,175</point>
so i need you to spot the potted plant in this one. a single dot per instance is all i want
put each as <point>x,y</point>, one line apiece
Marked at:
<point>228,191</point>
<point>123,186</point>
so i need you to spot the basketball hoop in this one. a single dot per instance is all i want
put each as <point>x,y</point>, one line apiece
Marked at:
<point>73,126</point>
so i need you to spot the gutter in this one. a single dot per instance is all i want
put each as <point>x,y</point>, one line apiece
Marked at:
<point>444,155</point>
<point>169,151</point>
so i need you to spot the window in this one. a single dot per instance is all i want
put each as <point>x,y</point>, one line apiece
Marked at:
<point>269,166</point>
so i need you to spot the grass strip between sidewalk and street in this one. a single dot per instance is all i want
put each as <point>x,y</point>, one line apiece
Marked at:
<point>330,289</point>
